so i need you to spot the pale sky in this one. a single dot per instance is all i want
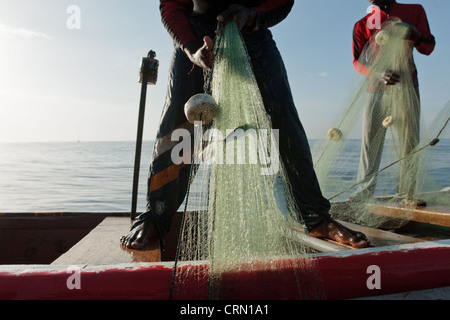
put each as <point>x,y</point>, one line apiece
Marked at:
<point>66,80</point>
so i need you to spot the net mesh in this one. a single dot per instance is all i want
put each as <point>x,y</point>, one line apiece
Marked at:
<point>242,225</point>
<point>394,167</point>
<point>241,218</point>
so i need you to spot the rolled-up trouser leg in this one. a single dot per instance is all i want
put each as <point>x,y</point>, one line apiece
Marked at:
<point>168,181</point>
<point>294,148</point>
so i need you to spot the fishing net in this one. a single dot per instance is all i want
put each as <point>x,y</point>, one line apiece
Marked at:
<point>394,169</point>
<point>241,220</point>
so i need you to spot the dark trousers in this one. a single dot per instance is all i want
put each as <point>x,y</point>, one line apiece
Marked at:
<point>167,182</point>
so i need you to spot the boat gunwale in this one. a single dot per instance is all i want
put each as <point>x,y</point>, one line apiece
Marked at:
<point>407,267</point>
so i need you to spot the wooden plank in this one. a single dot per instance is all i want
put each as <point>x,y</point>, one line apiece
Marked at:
<point>319,245</point>
<point>436,215</point>
<point>377,238</point>
<point>102,246</point>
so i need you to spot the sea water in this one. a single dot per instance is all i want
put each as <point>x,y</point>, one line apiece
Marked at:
<point>71,176</point>
<point>98,176</point>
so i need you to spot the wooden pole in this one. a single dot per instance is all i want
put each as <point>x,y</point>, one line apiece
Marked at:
<point>148,75</point>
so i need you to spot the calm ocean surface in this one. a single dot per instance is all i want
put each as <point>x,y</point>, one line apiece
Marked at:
<point>98,176</point>
<point>70,176</point>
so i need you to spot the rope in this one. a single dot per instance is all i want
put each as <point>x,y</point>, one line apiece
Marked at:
<point>431,144</point>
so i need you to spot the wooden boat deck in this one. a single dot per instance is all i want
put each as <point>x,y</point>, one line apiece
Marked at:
<point>101,246</point>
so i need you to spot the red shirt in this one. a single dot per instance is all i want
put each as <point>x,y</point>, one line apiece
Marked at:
<point>413,14</point>
<point>175,14</point>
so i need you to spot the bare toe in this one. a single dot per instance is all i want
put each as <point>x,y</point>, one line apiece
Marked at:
<point>139,236</point>
<point>331,229</point>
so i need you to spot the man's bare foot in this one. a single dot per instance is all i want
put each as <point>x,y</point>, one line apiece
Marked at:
<point>140,236</point>
<point>333,230</point>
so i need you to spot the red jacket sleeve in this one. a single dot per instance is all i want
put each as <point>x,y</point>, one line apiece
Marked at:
<point>174,15</point>
<point>360,39</point>
<point>427,43</point>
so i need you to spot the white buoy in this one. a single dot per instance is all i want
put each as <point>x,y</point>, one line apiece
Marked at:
<point>334,134</point>
<point>382,37</point>
<point>387,122</point>
<point>200,107</point>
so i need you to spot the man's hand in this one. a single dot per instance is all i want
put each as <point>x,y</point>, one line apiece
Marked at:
<point>390,78</point>
<point>201,55</point>
<point>244,17</point>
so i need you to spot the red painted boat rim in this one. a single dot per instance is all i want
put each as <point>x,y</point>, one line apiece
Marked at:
<point>406,267</point>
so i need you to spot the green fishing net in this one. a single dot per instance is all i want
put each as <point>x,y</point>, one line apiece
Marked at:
<point>399,137</point>
<point>241,217</point>
<point>242,224</point>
